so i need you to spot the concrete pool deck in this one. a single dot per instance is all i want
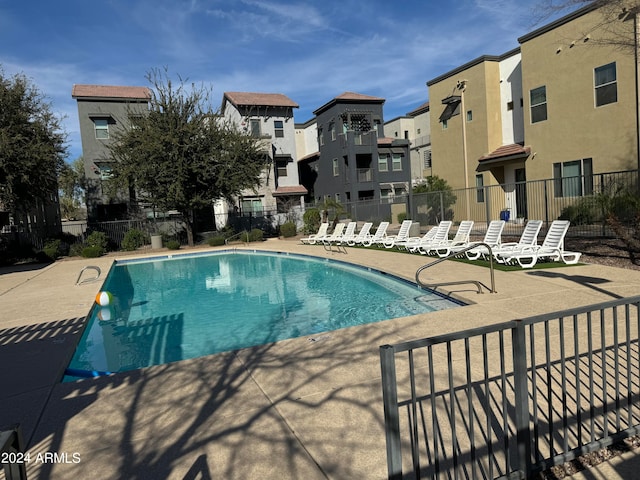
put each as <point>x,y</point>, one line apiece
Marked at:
<point>309,407</point>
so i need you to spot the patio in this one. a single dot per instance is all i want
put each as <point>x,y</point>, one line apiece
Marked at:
<point>306,407</point>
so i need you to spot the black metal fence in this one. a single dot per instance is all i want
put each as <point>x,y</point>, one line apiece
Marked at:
<point>14,458</point>
<point>584,200</point>
<point>513,399</point>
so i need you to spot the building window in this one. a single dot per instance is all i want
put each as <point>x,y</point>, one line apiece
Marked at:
<point>332,130</point>
<point>252,205</point>
<point>480,188</point>
<point>281,168</point>
<point>396,162</point>
<point>510,105</point>
<point>378,127</point>
<point>538,104</point>
<point>469,115</point>
<point>336,168</point>
<point>606,84</point>
<point>406,134</point>
<point>104,170</point>
<point>101,126</point>
<point>320,137</point>
<point>383,163</point>
<point>278,125</point>
<point>255,128</point>
<point>573,179</point>
<point>444,124</point>
<point>427,159</point>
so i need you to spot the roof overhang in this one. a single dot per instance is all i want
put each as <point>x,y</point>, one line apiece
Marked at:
<point>290,190</point>
<point>504,155</point>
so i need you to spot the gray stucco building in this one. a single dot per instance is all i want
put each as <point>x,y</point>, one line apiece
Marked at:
<point>103,110</point>
<point>355,161</point>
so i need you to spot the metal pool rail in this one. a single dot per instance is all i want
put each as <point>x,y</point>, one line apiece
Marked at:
<point>513,399</point>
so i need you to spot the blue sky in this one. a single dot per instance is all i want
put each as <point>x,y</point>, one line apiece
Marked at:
<point>309,51</point>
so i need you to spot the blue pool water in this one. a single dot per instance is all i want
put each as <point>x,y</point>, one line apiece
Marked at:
<point>171,309</point>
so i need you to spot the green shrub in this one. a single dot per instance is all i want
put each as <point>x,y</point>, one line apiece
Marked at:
<point>133,240</point>
<point>92,251</point>
<point>288,229</point>
<point>585,211</point>
<point>75,250</point>
<point>51,249</point>
<point>98,239</point>
<point>173,245</point>
<point>216,241</point>
<point>402,216</point>
<point>254,235</point>
<point>311,219</point>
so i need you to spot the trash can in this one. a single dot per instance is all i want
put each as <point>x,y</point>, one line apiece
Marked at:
<point>156,241</point>
<point>505,214</point>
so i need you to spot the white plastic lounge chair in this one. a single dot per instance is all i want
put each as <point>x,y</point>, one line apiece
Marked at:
<point>361,235</point>
<point>314,237</point>
<point>412,243</point>
<point>552,247</point>
<point>492,237</point>
<point>336,236</point>
<point>460,238</point>
<point>528,238</point>
<point>378,237</point>
<point>441,235</point>
<point>349,232</point>
<point>403,234</point>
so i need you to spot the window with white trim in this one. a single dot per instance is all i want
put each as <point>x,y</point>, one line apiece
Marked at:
<point>101,126</point>
<point>336,167</point>
<point>606,84</point>
<point>538,98</point>
<point>396,162</point>
<point>255,128</point>
<point>383,163</point>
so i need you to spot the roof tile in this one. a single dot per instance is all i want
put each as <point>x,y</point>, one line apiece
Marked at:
<point>261,99</point>
<point>110,91</point>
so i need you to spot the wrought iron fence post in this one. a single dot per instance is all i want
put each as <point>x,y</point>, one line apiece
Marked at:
<point>520,381</point>
<point>391,413</point>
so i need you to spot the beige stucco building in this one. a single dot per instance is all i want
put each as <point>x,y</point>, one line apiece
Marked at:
<point>561,106</point>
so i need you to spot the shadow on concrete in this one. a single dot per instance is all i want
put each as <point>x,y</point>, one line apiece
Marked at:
<point>26,267</point>
<point>210,417</point>
<point>582,280</point>
<point>33,359</point>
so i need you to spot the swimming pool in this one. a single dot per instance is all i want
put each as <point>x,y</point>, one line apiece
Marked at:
<point>177,307</point>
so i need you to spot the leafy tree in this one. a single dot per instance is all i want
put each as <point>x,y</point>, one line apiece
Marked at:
<point>72,184</point>
<point>434,198</point>
<point>183,155</point>
<point>32,145</point>
<point>332,208</point>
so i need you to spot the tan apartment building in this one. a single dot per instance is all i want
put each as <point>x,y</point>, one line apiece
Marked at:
<point>562,106</point>
<point>415,127</point>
